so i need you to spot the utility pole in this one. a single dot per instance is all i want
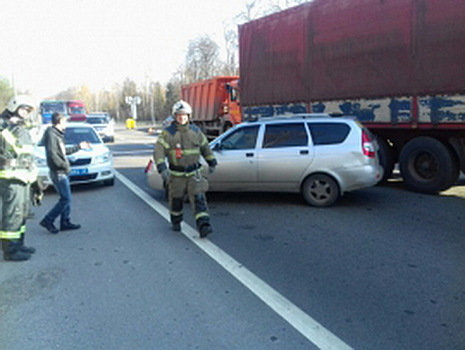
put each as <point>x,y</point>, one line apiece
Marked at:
<point>152,107</point>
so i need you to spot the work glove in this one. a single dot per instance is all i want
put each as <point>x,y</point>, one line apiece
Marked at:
<point>165,175</point>
<point>211,169</point>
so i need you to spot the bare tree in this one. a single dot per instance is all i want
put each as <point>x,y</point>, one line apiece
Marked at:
<point>173,94</point>
<point>202,59</point>
<point>279,5</point>
<point>231,66</point>
<point>6,92</point>
<point>253,10</point>
<point>258,8</point>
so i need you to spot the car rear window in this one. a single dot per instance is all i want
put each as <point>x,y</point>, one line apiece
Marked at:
<point>328,133</point>
<point>285,135</point>
<point>97,120</point>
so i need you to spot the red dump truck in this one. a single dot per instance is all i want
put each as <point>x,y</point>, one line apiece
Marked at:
<point>214,102</point>
<point>396,65</point>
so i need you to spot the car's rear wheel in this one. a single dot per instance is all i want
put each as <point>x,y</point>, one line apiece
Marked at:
<point>386,158</point>
<point>320,190</point>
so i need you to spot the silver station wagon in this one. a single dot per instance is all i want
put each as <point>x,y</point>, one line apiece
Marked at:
<point>318,155</point>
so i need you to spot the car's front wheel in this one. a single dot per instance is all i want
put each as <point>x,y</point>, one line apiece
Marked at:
<point>320,190</point>
<point>109,182</point>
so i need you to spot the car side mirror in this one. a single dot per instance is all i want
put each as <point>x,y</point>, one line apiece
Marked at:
<point>217,147</point>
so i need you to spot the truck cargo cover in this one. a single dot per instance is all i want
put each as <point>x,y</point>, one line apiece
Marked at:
<point>342,49</point>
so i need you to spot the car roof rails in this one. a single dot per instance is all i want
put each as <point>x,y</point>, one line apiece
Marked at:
<point>336,114</point>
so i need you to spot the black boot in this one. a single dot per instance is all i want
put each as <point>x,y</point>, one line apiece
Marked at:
<point>68,225</point>
<point>12,251</point>
<point>49,226</point>
<point>176,219</point>
<point>205,229</point>
<point>23,248</point>
<point>176,222</point>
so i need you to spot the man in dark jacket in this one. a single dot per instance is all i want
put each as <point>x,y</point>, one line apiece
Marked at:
<point>59,170</point>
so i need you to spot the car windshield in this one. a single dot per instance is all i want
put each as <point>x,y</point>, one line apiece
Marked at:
<point>97,120</point>
<point>74,136</point>
<point>51,107</point>
<point>77,110</point>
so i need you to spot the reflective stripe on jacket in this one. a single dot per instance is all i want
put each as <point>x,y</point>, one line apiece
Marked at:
<point>17,154</point>
<point>186,141</point>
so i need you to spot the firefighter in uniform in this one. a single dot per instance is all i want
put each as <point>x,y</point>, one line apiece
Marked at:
<point>182,144</point>
<point>17,173</point>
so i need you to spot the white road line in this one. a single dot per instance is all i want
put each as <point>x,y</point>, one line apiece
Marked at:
<point>307,326</point>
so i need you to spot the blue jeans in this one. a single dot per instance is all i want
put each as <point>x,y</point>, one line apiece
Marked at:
<point>63,207</point>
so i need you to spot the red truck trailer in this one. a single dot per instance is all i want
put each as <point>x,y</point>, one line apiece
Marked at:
<point>214,103</point>
<point>397,65</point>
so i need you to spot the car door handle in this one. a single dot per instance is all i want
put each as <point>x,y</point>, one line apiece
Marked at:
<point>249,154</point>
<point>304,151</point>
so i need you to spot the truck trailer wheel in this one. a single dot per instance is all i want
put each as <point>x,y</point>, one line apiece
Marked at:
<point>320,190</point>
<point>386,158</point>
<point>427,165</point>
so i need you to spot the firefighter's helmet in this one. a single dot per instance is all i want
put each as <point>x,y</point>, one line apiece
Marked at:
<point>19,101</point>
<point>181,107</point>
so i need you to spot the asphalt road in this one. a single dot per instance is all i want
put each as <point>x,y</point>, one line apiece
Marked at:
<point>383,269</point>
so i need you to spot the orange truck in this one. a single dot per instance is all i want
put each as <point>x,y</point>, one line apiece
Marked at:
<point>215,103</point>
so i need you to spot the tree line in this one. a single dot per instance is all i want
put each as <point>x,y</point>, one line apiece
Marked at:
<point>202,62</point>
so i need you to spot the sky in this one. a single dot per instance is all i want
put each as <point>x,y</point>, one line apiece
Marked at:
<point>51,45</point>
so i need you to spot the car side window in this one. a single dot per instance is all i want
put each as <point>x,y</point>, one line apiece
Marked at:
<point>285,135</point>
<point>242,138</point>
<point>328,133</point>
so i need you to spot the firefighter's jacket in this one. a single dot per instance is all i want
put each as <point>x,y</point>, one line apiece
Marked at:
<point>16,153</point>
<point>182,146</point>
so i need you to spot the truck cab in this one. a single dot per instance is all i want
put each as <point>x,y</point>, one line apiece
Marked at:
<point>47,108</point>
<point>76,111</point>
<point>215,103</point>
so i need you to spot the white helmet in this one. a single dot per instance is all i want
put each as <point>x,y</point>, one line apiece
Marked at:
<point>19,101</point>
<point>182,107</point>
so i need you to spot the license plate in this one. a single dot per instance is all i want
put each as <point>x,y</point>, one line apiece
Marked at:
<point>76,172</point>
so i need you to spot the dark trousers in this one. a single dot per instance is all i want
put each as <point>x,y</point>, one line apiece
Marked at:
<point>195,187</point>
<point>63,207</point>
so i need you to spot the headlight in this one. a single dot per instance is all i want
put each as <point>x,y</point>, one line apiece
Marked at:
<point>104,158</point>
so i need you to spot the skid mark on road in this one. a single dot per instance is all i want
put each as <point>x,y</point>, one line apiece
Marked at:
<point>298,319</point>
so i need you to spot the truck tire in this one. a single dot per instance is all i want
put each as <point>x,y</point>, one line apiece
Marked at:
<point>320,190</point>
<point>386,158</point>
<point>427,165</point>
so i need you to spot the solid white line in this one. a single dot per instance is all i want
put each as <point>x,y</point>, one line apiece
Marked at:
<point>307,326</point>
